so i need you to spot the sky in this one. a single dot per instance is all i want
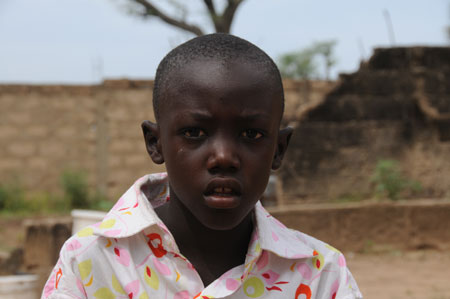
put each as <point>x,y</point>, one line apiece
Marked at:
<point>87,41</point>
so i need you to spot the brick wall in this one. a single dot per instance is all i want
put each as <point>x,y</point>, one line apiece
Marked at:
<point>45,130</point>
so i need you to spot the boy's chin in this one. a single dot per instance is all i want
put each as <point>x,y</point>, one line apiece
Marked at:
<point>226,223</point>
<point>220,227</point>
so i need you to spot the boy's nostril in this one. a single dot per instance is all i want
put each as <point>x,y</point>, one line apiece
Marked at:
<point>224,160</point>
<point>220,166</point>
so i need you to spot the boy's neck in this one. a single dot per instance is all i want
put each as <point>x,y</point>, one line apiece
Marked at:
<point>212,252</point>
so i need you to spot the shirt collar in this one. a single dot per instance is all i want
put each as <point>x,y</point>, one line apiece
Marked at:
<point>274,236</point>
<point>134,212</point>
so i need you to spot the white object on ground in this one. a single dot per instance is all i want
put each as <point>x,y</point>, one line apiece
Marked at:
<point>83,218</point>
<point>19,286</point>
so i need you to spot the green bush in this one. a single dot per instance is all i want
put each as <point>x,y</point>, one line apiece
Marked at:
<point>14,200</point>
<point>389,180</point>
<point>76,192</point>
<point>75,188</point>
<point>99,202</point>
<point>12,197</point>
<point>44,202</point>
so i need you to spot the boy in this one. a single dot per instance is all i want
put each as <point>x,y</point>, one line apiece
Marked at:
<point>200,231</point>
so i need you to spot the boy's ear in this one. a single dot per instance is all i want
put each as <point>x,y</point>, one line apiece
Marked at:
<point>152,141</point>
<point>283,141</point>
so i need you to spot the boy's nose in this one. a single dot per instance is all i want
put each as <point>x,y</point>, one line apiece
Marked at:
<point>223,156</point>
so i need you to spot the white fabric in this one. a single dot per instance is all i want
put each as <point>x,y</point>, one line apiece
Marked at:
<point>131,254</point>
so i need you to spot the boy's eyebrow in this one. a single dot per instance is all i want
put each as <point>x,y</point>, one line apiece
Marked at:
<point>254,115</point>
<point>199,115</point>
<point>249,116</point>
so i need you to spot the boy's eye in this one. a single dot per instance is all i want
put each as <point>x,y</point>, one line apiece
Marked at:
<point>193,133</point>
<point>251,134</point>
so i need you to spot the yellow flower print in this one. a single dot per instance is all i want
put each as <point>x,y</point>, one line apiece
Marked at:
<point>253,287</point>
<point>151,278</point>
<point>317,260</point>
<point>104,293</point>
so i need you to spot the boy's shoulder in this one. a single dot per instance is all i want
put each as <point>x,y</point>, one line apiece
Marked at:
<point>290,243</point>
<point>132,214</point>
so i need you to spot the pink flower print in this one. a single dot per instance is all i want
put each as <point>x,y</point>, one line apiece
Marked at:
<point>304,270</point>
<point>334,289</point>
<point>73,245</point>
<point>162,268</point>
<point>275,237</point>
<point>270,277</point>
<point>122,256</point>
<point>132,289</point>
<point>181,295</point>
<point>50,286</point>
<point>231,284</point>
<point>113,232</point>
<point>263,260</point>
<point>342,262</point>
<point>119,203</point>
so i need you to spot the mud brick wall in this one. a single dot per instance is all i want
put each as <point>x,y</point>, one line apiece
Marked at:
<point>417,224</point>
<point>396,106</point>
<point>45,130</point>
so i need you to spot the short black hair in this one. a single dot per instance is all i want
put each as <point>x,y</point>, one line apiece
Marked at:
<point>220,46</point>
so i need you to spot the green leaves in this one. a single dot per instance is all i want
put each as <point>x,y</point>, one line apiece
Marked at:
<point>304,64</point>
<point>390,182</point>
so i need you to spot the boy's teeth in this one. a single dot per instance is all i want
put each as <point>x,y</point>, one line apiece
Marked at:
<point>222,190</point>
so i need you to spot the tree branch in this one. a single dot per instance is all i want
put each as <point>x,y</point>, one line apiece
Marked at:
<point>210,5</point>
<point>152,10</point>
<point>228,14</point>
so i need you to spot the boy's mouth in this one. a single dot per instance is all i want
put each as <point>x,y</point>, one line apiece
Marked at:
<point>225,191</point>
<point>222,193</point>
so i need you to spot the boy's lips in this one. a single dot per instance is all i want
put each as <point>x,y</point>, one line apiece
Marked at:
<point>223,193</point>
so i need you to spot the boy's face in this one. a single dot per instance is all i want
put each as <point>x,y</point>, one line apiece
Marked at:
<point>218,133</point>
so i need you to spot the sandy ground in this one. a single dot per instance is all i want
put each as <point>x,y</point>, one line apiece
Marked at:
<point>421,274</point>
<point>388,274</point>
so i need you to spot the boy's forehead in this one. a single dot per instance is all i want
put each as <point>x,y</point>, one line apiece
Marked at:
<point>202,82</point>
<point>228,68</point>
<point>213,75</point>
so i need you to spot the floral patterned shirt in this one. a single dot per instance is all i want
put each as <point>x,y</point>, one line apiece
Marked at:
<point>132,254</point>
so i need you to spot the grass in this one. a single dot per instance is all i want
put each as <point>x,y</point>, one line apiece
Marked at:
<point>15,201</point>
<point>390,182</point>
<point>371,247</point>
<point>349,198</point>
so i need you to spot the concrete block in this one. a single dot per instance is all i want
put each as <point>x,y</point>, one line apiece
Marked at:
<point>43,241</point>
<point>8,132</point>
<point>22,149</point>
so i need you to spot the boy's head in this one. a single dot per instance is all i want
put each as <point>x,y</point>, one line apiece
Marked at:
<point>218,102</point>
<point>222,48</point>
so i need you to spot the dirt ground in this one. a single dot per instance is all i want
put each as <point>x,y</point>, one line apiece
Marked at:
<point>421,274</point>
<point>388,274</point>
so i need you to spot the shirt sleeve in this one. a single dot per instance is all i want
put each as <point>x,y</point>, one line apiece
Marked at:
<point>347,287</point>
<point>64,281</point>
